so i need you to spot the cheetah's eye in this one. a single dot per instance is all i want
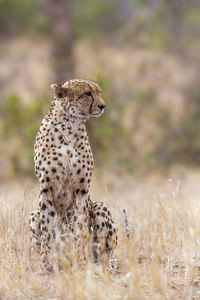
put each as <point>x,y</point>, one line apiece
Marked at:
<point>89,94</point>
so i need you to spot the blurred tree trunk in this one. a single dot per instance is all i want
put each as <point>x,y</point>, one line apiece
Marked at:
<point>175,10</point>
<point>60,19</point>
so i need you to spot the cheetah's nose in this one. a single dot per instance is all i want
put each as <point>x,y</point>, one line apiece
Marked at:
<point>101,106</point>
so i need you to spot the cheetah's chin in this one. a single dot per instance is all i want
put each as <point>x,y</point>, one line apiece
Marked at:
<point>98,114</point>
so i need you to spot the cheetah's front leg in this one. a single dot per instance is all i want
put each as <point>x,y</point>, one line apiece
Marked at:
<point>47,220</point>
<point>104,233</point>
<point>34,222</point>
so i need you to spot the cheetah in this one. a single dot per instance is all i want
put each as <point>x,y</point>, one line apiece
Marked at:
<point>63,164</point>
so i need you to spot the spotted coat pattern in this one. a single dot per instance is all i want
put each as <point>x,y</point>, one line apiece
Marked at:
<point>63,165</point>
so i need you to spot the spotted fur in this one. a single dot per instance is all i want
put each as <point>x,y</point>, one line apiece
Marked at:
<point>63,165</point>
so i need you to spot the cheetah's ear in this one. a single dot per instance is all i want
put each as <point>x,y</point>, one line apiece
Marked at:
<point>59,90</point>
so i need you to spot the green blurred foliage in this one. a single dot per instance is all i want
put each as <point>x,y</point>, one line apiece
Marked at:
<point>15,15</point>
<point>93,16</point>
<point>180,143</point>
<point>20,122</point>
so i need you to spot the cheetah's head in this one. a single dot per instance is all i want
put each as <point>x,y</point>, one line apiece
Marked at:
<point>81,97</point>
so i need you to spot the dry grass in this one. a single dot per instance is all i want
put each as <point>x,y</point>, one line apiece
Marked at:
<point>160,261</point>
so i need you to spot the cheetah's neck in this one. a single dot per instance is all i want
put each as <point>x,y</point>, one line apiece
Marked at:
<point>61,113</point>
<point>74,127</point>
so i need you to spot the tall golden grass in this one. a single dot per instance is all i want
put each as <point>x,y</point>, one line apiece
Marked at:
<point>160,260</point>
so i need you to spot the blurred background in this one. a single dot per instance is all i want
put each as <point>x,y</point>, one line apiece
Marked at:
<point>143,53</point>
